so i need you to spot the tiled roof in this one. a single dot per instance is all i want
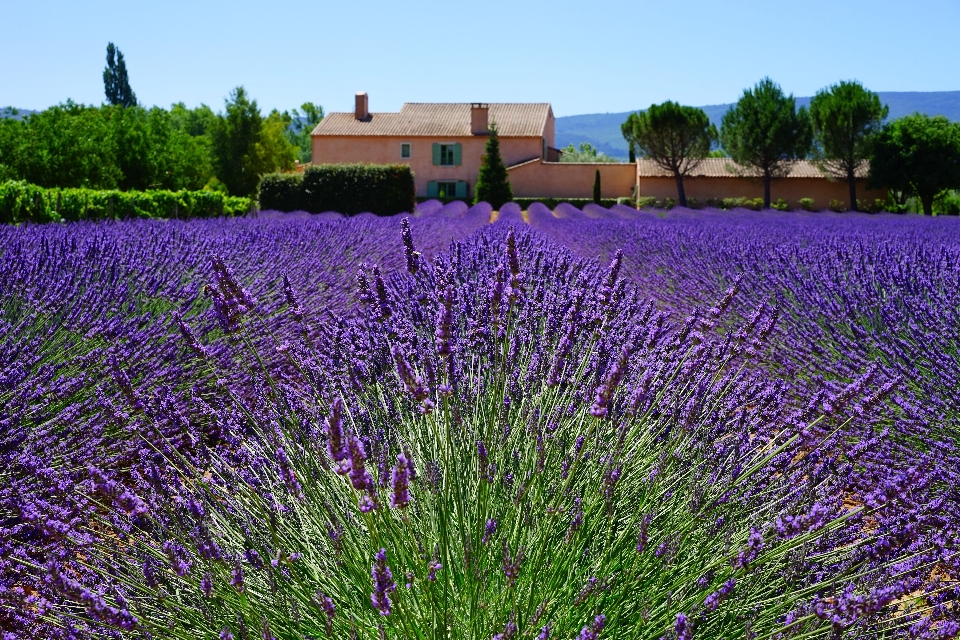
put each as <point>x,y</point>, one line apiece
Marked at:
<point>439,120</point>
<point>727,168</point>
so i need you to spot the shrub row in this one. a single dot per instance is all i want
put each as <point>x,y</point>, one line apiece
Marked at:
<point>552,203</point>
<point>23,202</point>
<point>382,189</point>
<point>756,204</point>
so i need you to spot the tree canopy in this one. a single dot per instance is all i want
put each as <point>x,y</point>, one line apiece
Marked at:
<point>301,126</point>
<point>116,83</point>
<point>766,132</point>
<point>677,138</point>
<point>246,145</point>
<point>585,152</point>
<point>918,154</point>
<point>493,184</point>
<point>845,118</point>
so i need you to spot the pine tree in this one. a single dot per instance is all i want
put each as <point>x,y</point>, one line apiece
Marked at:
<point>116,84</point>
<point>596,187</point>
<point>493,185</point>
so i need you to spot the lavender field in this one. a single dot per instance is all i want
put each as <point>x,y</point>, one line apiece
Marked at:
<point>561,424</point>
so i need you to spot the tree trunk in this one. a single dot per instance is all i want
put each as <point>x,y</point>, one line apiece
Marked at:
<point>681,195</point>
<point>852,181</point>
<point>927,202</point>
<point>766,189</point>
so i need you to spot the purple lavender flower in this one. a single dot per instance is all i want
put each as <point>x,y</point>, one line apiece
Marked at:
<point>206,585</point>
<point>226,634</point>
<point>359,476</point>
<point>489,531</point>
<point>682,627</point>
<point>592,631</point>
<point>713,600</point>
<point>295,310</point>
<point>336,440</point>
<point>444,323</point>
<point>189,337</point>
<point>236,581</point>
<point>511,565</point>
<point>325,603</point>
<point>401,493</point>
<point>413,257</point>
<point>432,570</point>
<point>606,390</point>
<point>383,583</point>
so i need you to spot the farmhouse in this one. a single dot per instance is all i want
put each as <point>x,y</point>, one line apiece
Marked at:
<point>444,142</point>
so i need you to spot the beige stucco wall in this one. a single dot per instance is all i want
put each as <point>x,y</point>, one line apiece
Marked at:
<point>790,189</point>
<point>572,179</point>
<point>386,150</point>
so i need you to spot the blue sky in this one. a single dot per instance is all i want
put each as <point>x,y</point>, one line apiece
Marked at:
<point>583,57</point>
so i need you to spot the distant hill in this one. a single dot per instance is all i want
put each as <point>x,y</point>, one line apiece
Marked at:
<point>602,130</point>
<point>17,114</point>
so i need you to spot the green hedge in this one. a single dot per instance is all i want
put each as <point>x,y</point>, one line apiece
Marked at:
<point>551,203</point>
<point>382,189</point>
<point>23,202</point>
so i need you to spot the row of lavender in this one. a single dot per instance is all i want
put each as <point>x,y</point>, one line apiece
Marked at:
<point>96,366</point>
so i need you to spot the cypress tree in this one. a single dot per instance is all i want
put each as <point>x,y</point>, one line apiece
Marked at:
<point>596,187</point>
<point>116,84</point>
<point>493,185</point>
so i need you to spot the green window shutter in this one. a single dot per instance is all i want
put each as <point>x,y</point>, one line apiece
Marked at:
<point>436,155</point>
<point>432,190</point>
<point>461,187</point>
<point>457,155</point>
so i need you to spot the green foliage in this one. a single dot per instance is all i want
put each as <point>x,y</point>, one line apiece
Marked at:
<point>282,192</point>
<point>596,187</point>
<point>585,152</point>
<point>949,204</point>
<point>765,132</point>
<point>107,147</point>
<point>246,145</point>
<point>845,118</point>
<point>116,84</point>
<point>717,153</point>
<point>551,203</point>
<point>918,155</point>
<point>781,205</point>
<point>23,202</point>
<point>301,126</point>
<point>806,204</point>
<point>493,184</point>
<point>647,202</point>
<point>382,189</point>
<point>675,137</point>
<point>837,206</point>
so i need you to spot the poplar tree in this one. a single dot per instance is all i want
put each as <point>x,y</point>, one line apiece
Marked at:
<point>116,84</point>
<point>596,187</point>
<point>493,184</point>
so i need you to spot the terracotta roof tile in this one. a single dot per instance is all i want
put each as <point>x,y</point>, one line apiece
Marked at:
<point>727,168</point>
<point>439,120</point>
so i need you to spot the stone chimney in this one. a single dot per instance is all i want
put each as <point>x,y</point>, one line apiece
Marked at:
<point>362,107</point>
<point>479,119</point>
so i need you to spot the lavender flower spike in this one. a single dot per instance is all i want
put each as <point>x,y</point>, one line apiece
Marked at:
<point>401,482</point>
<point>383,583</point>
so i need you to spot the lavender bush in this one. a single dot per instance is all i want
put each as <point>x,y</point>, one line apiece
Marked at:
<point>501,439</point>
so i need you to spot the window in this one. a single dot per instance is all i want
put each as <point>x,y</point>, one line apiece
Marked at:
<point>446,154</point>
<point>404,149</point>
<point>446,189</point>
